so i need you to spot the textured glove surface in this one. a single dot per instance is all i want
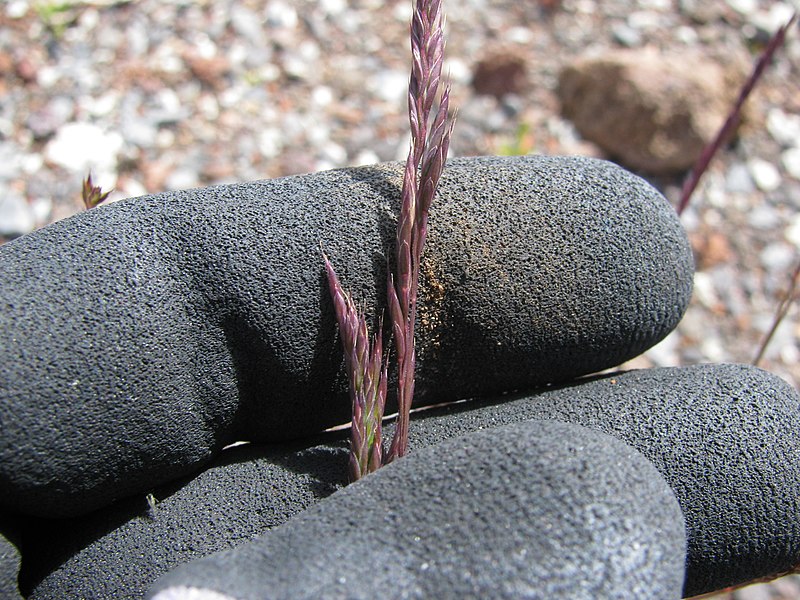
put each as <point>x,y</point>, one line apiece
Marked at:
<point>140,338</point>
<point>724,437</point>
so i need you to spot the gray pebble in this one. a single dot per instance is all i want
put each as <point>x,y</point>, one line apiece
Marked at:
<point>626,35</point>
<point>16,216</point>
<point>56,113</point>
<point>738,179</point>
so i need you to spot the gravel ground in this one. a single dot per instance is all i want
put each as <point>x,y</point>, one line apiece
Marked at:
<point>167,94</point>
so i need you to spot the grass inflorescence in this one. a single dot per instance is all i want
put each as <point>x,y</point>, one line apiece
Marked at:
<point>366,367</point>
<point>93,195</point>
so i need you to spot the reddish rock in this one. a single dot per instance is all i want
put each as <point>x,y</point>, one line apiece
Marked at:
<point>211,71</point>
<point>499,73</point>
<point>654,112</point>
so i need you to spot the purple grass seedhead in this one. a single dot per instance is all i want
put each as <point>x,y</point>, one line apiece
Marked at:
<point>367,374</point>
<point>92,195</point>
<point>365,363</point>
<point>424,166</point>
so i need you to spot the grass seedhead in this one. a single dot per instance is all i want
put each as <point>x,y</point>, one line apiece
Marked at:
<point>367,374</point>
<point>780,314</point>
<point>424,166</point>
<point>366,366</point>
<point>92,195</point>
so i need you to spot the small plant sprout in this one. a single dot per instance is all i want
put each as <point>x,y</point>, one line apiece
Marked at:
<point>365,364</point>
<point>92,195</point>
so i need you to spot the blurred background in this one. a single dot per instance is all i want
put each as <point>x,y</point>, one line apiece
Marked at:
<point>157,95</point>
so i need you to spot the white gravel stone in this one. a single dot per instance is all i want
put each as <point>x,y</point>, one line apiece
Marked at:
<point>704,289</point>
<point>686,35</point>
<point>784,127</point>
<point>102,105</point>
<point>41,209</point>
<point>138,41</point>
<point>665,353</point>
<point>738,180</point>
<point>458,70</point>
<point>745,7</point>
<point>182,178</point>
<point>270,142</point>
<point>778,257</point>
<point>774,18</point>
<point>519,35</point>
<point>9,160</point>
<point>16,9</point>
<point>402,11</point>
<point>792,231</point>
<point>763,217</point>
<point>334,154</point>
<point>791,162</point>
<point>660,5</point>
<point>247,24</point>
<point>365,157</point>
<point>714,349</point>
<point>131,189</point>
<point>626,35</point>
<point>643,20</point>
<point>390,86</point>
<point>80,147</point>
<point>140,132</point>
<point>765,175</point>
<point>322,96</point>
<point>48,76</point>
<point>333,7</point>
<point>281,15</point>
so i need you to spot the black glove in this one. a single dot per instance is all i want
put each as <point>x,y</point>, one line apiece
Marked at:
<point>140,338</point>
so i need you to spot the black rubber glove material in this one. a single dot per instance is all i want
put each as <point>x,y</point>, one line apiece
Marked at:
<point>139,338</point>
<point>533,509</point>
<point>10,560</point>
<point>724,436</point>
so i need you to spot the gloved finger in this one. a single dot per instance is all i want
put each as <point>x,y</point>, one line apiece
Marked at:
<point>10,562</point>
<point>725,437</point>
<point>537,508</point>
<point>140,338</point>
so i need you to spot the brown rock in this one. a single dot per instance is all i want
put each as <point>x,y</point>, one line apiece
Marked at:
<point>26,69</point>
<point>711,248</point>
<point>210,71</point>
<point>654,112</point>
<point>500,72</point>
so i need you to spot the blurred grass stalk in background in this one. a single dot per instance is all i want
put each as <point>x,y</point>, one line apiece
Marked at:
<point>724,134</point>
